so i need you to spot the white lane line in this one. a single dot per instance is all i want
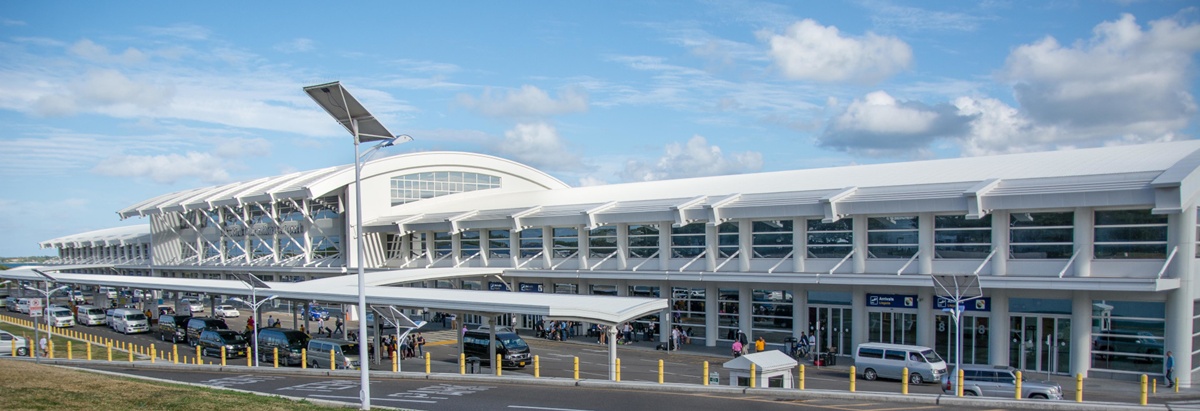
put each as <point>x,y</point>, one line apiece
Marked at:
<point>544,408</point>
<point>373,399</point>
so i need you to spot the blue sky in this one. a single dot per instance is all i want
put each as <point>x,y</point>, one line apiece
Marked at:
<point>103,105</point>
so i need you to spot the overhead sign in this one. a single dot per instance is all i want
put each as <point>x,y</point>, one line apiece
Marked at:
<point>978,304</point>
<point>497,286</point>
<point>892,300</point>
<point>530,287</point>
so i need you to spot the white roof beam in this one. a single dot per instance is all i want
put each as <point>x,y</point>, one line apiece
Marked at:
<point>830,203</point>
<point>400,224</point>
<point>591,214</point>
<point>516,218</point>
<point>716,207</point>
<point>680,219</point>
<point>975,196</point>
<point>454,227</point>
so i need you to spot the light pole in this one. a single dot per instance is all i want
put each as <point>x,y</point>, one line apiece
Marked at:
<point>46,294</point>
<point>364,127</point>
<point>254,314</point>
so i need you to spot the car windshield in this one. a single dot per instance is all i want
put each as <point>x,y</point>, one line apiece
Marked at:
<point>135,317</point>
<point>95,311</point>
<point>299,342</point>
<point>931,356</point>
<point>514,343</point>
<point>233,338</point>
<point>349,349</point>
<point>60,313</point>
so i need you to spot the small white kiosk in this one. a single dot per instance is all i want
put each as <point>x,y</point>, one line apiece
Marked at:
<point>773,369</point>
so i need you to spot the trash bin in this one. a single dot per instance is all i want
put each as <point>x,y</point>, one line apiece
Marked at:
<point>790,345</point>
<point>473,365</point>
<point>830,359</point>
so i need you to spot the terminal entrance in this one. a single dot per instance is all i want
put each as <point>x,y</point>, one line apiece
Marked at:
<point>976,332</point>
<point>1041,343</point>
<point>831,325</point>
<point>892,327</point>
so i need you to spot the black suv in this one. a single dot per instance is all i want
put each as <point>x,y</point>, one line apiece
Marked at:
<point>288,342</point>
<point>173,327</point>
<point>211,342</point>
<point>197,325</point>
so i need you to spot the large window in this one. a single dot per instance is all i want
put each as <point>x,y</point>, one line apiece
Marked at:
<point>413,187</point>
<point>566,241</point>
<point>687,241</point>
<point>688,310</point>
<point>499,243</point>
<point>289,248</point>
<point>830,240</point>
<point>327,246</point>
<point>1041,235</point>
<point>443,243</point>
<point>727,239</point>
<point>469,242</point>
<point>602,241</point>
<point>324,208</point>
<point>1130,234</point>
<point>772,314</point>
<point>772,238</point>
<point>728,308</point>
<point>643,240</point>
<point>956,236</point>
<point>892,237</point>
<point>531,242</point>
<point>1128,336</point>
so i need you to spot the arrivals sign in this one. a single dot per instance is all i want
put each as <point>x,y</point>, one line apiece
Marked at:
<point>892,300</point>
<point>978,304</point>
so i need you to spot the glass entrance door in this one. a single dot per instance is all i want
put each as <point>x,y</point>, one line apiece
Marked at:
<point>892,327</point>
<point>976,332</point>
<point>1041,343</point>
<point>831,325</point>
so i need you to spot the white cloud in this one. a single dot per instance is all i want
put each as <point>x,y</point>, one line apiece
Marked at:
<point>185,31</point>
<point>540,146</point>
<point>810,51</point>
<point>299,45</point>
<point>528,101</point>
<point>11,22</point>
<point>89,50</point>
<point>167,168</point>
<point>880,125</point>
<point>693,159</point>
<point>1123,83</point>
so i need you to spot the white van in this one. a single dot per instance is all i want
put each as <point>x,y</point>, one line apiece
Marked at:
<point>130,321</point>
<point>23,305</point>
<point>60,317</point>
<point>109,292</point>
<point>89,315</point>
<point>876,360</point>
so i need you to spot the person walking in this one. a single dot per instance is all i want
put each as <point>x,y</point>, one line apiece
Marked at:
<point>338,324</point>
<point>1169,375</point>
<point>43,346</point>
<point>420,344</point>
<point>737,348</point>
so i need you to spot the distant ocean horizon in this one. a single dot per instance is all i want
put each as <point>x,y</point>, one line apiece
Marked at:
<point>15,265</point>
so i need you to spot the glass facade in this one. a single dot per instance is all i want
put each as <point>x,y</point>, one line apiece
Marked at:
<point>1041,235</point>
<point>469,243</point>
<point>643,240</point>
<point>688,308</point>
<point>771,238</point>
<point>1128,336</point>
<point>772,314</point>
<point>956,236</point>
<point>1130,234</point>
<point>531,242</point>
<point>499,243</point>
<point>418,186</point>
<point>443,244</point>
<point>687,241</point>
<point>891,237</point>
<point>830,240</point>
<point>566,242</point>
<point>727,239</point>
<point>727,314</point>
<point>602,241</point>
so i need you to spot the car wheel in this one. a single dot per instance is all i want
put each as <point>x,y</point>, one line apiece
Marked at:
<point>22,352</point>
<point>969,393</point>
<point>869,374</point>
<point>916,378</point>
<point>1039,397</point>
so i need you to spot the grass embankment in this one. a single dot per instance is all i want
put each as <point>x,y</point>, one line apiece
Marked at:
<point>29,386</point>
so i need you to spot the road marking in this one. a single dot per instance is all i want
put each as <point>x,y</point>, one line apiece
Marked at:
<point>372,399</point>
<point>544,408</point>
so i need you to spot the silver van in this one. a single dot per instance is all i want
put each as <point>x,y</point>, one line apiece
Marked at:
<point>89,315</point>
<point>345,353</point>
<point>876,360</point>
<point>130,321</point>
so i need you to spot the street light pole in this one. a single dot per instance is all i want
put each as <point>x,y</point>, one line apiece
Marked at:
<point>254,304</point>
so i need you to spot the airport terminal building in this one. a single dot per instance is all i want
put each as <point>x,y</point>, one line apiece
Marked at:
<point>1085,258</point>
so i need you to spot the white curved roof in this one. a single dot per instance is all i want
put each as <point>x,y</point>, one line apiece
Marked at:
<point>323,182</point>
<point>134,234</point>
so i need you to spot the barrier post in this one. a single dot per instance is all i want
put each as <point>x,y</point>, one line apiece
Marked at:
<point>249,361</point>
<point>904,382</point>
<point>130,351</point>
<point>89,352</point>
<point>801,377</point>
<point>852,379</point>
<point>498,365</point>
<point>704,374</point>
<point>109,352</point>
<point>1018,392</point>
<point>618,370</point>
<point>304,358</point>
<point>333,365</point>
<point>1176,384</point>
<point>753,376</point>
<point>660,371</point>
<point>70,355</point>
<point>576,368</point>
<point>1079,387</point>
<point>958,389</point>
<point>395,363</point>
<point>50,348</point>
<point>462,364</point>
<point>1142,400</point>
<point>198,360</point>
<point>537,367</point>
<point>428,368</point>
<point>175,354</point>
<point>153,352</point>
<point>276,357</point>
<point>223,355</point>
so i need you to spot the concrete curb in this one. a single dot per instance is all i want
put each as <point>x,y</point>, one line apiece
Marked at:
<point>946,400</point>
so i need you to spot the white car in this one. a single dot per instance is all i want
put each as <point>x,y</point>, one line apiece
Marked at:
<point>60,317</point>
<point>226,311</point>
<point>7,343</point>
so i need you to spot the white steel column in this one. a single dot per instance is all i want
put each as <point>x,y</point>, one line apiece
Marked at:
<point>664,245</point>
<point>1000,233</point>
<point>1181,232</point>
<point>799,244</point>
<point>925,245</point>
<point>745,244</point>
<point>1085,234</point>
<point>623,246</point>
<point>1081,333</point>
<point>712,320</point>
<point>710,247</point>
<point>926,302</point>
<point>860,244</point>
<point>1000,326</point>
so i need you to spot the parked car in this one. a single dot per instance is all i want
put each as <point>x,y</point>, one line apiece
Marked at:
<point>195,326</point>
<point>173,327</point>
<point>999,381</point>
<point>345,353</point>
<point>316,312</point>
<point>129,321</point>
<point>60,317</point>
<point>8,341</point>
<point>513,351</point>
<point>226,311</point>
<point>211,341</point>
<point>876,360</point>
<point>89,315</point>
<point>289,342</point>
<point>191,305</point>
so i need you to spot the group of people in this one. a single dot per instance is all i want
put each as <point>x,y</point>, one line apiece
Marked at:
<point>555,330</point>
<point>412,346</point>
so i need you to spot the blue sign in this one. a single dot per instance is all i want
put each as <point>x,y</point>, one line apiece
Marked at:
<point>497,286</point>
<point>892,300</point>
<point>983,304</point>
<point>530,287</point>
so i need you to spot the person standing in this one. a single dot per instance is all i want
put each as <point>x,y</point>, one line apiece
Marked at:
<point>737,348</point>
<point>1170,370</point>
<point>43,346</point>
<point>420,344</point>
<point>760,345</point>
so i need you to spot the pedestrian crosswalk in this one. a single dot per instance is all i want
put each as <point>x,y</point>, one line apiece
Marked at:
<point>441,337</point>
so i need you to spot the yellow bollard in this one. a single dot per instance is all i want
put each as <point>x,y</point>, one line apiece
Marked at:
<point>1018,392</point>
<point>130,355</point>
<point>109,352</point>
<point>304,358</point>
<point>462,364</point>
<point>753,376</point>
<point>704,374</point>
<point>852,378</point>
<point>801,376</point>
<point>395,363</point>
<point>223,355</point>
<point>498,365</point>
<point>198,360</point>
<point>428,369</point>
<point>537,367</point>
<point>249,360</point>
<point>660,371</point>
<point>1154,385</point>
<point>618,370</point>
<point>89,350</point>
<point>577,368</point>
<point>331,363</point>
<point>175,353</point>
<point>904,382</point>
<point>50,347</point>
<point>152,354</point>
<point>70,355</point>
<point>1176,384</point>
<point>958,389</point>
<point>276,357</point>
<point>1142,400</point>
<point>1079,387</point>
